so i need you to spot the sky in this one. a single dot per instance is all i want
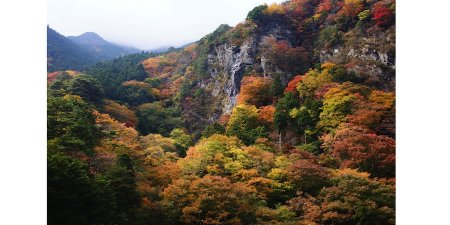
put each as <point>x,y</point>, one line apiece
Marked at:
<point>147,24</point>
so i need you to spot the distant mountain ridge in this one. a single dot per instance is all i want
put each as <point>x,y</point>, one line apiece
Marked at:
<point>79,52</point>
<point>103,48</point>
<point>89,38</point>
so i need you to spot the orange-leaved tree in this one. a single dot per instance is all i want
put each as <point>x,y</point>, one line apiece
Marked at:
<point>254,91</point>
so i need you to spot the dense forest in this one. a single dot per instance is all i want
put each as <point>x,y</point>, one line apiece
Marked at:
<point>286,118</point>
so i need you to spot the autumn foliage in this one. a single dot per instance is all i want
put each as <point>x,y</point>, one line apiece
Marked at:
<point>383,14</point>
<point>286,118</point>
<point>351,8</point>
<point>292,85</point>
<point>210,200</point>
<point>254,91</point>
<point>324,6</point>
<point>120,112</point>
<point>266,114</point>
<point>285,56</point>
<point>358,147</point>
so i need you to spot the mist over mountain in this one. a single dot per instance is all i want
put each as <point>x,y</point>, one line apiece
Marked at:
<point>102,48</point>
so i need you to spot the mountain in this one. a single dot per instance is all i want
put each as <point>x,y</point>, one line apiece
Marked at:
<point>89,39</point>
<point>278,44</point>
<point>286,118</point>
<point>275,42</point>
<point>63,53</point>
<point>102,49</point>
<point>79,52</point>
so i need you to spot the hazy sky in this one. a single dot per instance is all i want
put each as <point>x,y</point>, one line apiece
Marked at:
<point>147,24</point>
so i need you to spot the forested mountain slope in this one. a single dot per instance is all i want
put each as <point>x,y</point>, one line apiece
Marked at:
<point>63,53</point>
<point>79,52</point>
<point>287,118</point>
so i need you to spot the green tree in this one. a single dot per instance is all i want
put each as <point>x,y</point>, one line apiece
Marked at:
<point>306,117</point>
<point>257,14</point>
<point>86,87</point>
<point>157,119</point>
<point>244,124</point>
<point>71,125</point>
<point>282,119</point>
<point>329,36</point>
<point>111,74</point>
<point>122,182</point>
<point>135,93</point>
<point>214,128</point>
<point>276,88</point>
<point>69,189</point>
<point>182,141</point>
<point>58,87</point>
<point>74,196</point>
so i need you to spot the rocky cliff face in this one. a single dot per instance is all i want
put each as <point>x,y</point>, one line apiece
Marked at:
<point>228,63</point>
<point>234,61</point>
<point>228,54</point>
<point>371,56</point>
